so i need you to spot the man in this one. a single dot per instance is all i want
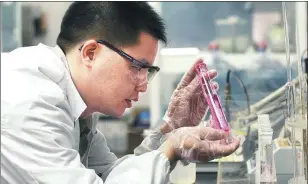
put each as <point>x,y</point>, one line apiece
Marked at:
<point>103,59</point>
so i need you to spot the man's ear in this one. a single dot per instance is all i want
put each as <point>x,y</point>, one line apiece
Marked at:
<point>89,52</point>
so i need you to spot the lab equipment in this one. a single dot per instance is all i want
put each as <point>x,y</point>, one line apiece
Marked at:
<point>300,127</point>
<point>300,178</point>
<point>228,92</point>
<point>306,132</point>
<point>290,116</point>
<point>290,92</point>
<point>212,99</point>
<point>302,83</point>
<point>266,164</point>
<point>183,174</point>
<point>142,119</point>
<point>283,150</point>
<point>295,120</point>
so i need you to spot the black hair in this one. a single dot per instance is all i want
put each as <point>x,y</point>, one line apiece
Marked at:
<point>119,23</point>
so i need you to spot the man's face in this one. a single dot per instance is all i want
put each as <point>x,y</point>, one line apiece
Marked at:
<point>113,82</point>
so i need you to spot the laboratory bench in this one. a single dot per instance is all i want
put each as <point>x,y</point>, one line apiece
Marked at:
<point>229,172</point>
<point>207,173</point>
<point>208,178</point>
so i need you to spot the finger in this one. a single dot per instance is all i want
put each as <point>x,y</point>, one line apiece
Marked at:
<point>215,85</point>
<point>190,75</point>
<point>192,88</point>
<point>222,150</point>
<point>195,84</point>
<point>211,134</point>
<point>211,150</point>
<point>211,74</point>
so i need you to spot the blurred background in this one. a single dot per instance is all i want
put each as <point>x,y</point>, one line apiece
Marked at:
<point>243,41</point>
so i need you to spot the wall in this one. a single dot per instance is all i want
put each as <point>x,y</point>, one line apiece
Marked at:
<point>54,12</point>
<point>193,24</point>
<point>10,26</point>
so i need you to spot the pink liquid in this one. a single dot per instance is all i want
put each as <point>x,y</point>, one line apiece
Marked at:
<point>212,99</point>
<point>217,113</point>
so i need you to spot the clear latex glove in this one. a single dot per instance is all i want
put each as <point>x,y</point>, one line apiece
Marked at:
<point>210,123</point>
<point>187,106</point>
<point>197,144</point>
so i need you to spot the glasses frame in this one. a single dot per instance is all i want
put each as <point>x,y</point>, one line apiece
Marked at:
<point>138,64</point>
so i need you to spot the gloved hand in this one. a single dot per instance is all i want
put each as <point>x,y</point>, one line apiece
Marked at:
<point>187,106</point>
<point>197,144</point>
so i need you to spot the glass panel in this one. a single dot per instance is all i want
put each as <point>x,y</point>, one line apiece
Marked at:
<point>8,15</point>
<point>235,25</point>
<point>9,24</point>
<point>8,40</point>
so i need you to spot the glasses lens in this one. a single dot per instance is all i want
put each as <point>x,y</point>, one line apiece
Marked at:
<point>151,74</point>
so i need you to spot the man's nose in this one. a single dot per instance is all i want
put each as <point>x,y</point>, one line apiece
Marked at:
<point>142,87</point>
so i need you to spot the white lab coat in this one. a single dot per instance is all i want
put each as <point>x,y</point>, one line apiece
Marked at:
<point>40,107</point>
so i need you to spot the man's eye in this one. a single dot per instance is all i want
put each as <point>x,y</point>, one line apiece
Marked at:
<point>136,67</point>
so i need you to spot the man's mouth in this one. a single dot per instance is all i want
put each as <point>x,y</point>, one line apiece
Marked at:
<point>128,103</point>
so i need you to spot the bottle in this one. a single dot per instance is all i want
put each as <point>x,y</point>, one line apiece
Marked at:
<point>183,174</point>
<point>266,170</point>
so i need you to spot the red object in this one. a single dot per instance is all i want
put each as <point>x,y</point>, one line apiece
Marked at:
<point>213,46</point>
<point>262,45</point>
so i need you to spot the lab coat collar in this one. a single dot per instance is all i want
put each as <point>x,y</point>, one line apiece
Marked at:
<point>77,104</point>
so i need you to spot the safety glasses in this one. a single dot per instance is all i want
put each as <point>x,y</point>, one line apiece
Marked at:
<point>139,65</point>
